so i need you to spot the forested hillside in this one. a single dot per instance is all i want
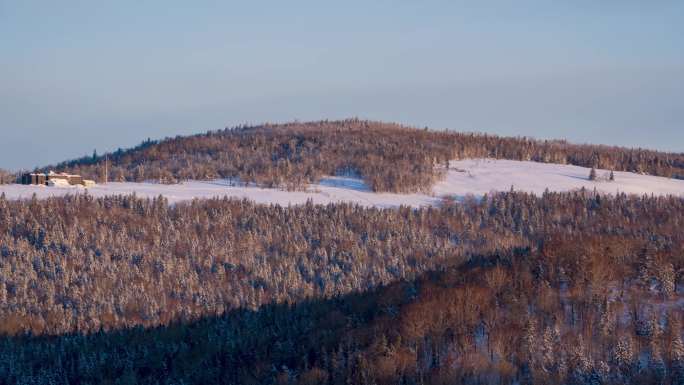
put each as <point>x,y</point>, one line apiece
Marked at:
<point>388,156</point>
<point>574,287</point>
<point>465,325</point>
<point>562,288</point>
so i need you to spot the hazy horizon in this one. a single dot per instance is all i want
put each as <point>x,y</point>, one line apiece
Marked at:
<point>79,76</point>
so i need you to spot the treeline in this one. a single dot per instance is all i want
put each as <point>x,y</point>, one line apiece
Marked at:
<point>580,308</point>
<point>388,156</point>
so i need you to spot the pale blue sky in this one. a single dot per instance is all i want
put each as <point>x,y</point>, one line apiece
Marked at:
<point>78,76</point>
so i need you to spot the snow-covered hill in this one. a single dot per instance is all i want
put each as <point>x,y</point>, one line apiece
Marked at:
<point>464,177</point>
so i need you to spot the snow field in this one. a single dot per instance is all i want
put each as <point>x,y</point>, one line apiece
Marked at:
<point>464,177</point>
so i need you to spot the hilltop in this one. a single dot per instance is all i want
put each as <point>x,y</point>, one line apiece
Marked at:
<point>388,157</point>
<point>549,277</point>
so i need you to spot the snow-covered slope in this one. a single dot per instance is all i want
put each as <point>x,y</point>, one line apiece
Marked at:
<point>329,190</point>
<point>480,176</point>
<point>464,177</point>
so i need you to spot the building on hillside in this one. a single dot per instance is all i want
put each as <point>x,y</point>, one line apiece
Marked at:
<point>55,179</point>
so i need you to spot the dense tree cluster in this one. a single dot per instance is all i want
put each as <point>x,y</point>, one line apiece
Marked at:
<point>579,308</point>
<point>563,288</point>
<point>81,264</point>
<point>388,156</point>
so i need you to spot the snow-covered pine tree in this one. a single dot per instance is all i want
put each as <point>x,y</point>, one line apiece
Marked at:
<point>529,342</point>
<point>551,339</point>
<point>666,278</point>
<point>581,363</point>
<point>623,355</point>
<point>592,174</point>
<point>677,360</point>
<point>676,350</point>
<point>656,365</point>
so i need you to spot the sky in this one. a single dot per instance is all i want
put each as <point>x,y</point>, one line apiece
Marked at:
<point>82,76</point>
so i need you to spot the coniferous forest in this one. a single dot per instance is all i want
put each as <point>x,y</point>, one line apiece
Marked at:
<point>574,288</point>
<point>388,156</point>
<point>546,249</point>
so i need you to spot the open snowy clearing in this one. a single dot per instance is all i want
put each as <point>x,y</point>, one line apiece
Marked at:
<point>480,176</point>
<point>464,177</point>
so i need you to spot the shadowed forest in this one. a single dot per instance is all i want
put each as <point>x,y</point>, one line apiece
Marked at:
<point>563,288</point>
<point>388,156</point>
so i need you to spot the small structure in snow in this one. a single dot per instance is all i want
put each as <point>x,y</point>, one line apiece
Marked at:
<point>53,179</point>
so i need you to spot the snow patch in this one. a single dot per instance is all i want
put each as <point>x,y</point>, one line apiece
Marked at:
<point>481,176</point>
<point>344,182</point>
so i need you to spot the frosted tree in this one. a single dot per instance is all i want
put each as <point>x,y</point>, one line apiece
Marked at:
<point>656,365</point>
<point>607,321</point>
<point>550,340</point>
<point>623,355</point>
<point>529,342</point>
<point>592,174</point>
<point>677,356</point>
<point>655,326</point>
<point>581,363</point>
<point>666,278</point>
<point>7,177</point>
<point>600,374</point>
